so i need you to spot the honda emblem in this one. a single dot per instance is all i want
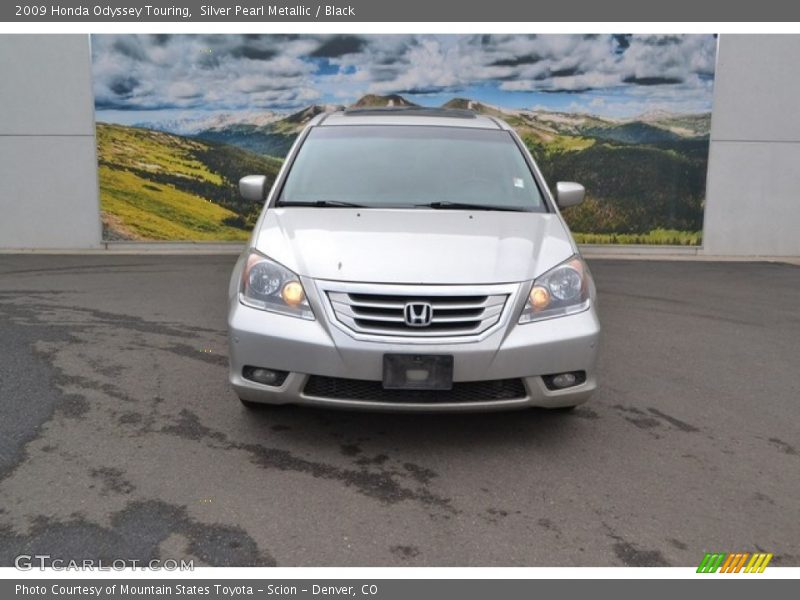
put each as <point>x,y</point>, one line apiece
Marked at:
<point>418,314</point>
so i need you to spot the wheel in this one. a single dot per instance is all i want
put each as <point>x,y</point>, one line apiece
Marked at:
<point>249,405</point>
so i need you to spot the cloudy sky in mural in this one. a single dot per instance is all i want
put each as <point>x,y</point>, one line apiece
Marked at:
<point>609,75</point>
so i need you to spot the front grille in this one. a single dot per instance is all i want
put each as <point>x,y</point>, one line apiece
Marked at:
<point>384,314</point>
<point>463,392</point>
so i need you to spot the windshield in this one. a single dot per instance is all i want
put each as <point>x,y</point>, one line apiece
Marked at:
<point>411,166</point>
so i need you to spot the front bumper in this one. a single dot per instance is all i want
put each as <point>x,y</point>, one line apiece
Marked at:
<point>304,348</point>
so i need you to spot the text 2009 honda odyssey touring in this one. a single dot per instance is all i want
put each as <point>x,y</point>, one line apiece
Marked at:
<point>411,259</point>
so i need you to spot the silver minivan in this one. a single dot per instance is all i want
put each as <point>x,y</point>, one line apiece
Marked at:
<point>411,259</point>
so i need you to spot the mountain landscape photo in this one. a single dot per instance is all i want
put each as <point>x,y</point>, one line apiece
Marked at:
<point>169,169</point>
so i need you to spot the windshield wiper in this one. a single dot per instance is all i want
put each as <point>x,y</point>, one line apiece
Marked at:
<point>444,205</point>
<point>323,204</point>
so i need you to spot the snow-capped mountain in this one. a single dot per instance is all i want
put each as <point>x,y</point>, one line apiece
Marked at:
<point>213,122</point>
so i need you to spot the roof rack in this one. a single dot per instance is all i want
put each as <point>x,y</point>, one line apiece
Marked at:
<point>416,111</point>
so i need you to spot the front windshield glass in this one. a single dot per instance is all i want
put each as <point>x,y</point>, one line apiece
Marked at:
<point>411,166</point>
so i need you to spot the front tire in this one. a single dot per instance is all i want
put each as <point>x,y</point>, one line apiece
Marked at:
<point>564,409</point>
<point>250,405</point>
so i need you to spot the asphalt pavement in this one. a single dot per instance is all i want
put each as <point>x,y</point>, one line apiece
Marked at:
<point>120,438</point>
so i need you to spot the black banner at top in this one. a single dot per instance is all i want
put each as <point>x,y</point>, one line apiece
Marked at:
<point>623,11</point>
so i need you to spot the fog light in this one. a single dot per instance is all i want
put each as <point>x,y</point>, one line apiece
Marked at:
<point>564,380</point>
<point>264,376</point>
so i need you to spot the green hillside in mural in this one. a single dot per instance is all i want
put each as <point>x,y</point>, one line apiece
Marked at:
<point>158,186</point>
<point>645,177</point>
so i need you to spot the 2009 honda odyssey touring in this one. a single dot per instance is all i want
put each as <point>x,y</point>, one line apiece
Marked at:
<point>411,259</point>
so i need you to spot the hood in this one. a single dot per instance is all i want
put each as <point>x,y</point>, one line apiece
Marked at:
<point>413,246</point>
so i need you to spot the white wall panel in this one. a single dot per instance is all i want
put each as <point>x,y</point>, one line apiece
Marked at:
<point>48,167</point>
<point>753,194</point>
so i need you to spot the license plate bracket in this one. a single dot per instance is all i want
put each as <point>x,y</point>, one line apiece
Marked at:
<point>418,371</point>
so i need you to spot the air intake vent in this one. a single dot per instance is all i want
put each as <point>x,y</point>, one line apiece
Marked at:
<point>462,392</point>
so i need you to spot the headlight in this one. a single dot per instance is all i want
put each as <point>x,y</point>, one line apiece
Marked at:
<point>563,290</point>
<point>267,285</point>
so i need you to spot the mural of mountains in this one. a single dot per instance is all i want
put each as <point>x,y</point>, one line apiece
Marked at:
<point>194,125</point>
<point>375,101</point>
<point>645,176</point>
<point>275,135</point>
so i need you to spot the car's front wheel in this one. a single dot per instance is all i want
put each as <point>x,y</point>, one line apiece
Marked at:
<point>249,405</point>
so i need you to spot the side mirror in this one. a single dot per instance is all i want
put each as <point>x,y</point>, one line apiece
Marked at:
<point>253,188</point>
<point>569,193</point>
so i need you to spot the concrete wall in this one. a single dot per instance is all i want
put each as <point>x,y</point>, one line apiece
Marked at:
<point>753,195</point>
<point>48,167</point>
